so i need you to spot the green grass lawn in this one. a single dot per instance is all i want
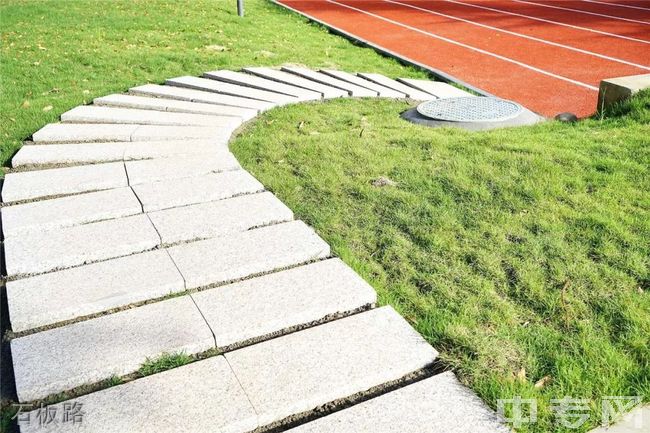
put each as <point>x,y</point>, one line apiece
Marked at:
<point>519,254</point>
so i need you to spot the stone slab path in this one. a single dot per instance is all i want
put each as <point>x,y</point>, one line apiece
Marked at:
<point>132,233</point>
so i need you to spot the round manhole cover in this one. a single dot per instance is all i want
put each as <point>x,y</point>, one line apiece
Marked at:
<point>470,109</point>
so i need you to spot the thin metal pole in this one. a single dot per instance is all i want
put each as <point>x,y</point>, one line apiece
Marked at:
<point>240,8</point>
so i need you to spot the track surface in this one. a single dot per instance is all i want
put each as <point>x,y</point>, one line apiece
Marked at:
<point>547,55</point>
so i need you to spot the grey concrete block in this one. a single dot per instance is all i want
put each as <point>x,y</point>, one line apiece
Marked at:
<point>68,211</point>
<point>153,170</point>
<point>170,149</point>
<point>86,352</point>
<point>218,218</point>
<point>207,85</point>
<point>101,114</point>
<point>319,77</point>
<point>65,295</point>
<point>184,94</point>
<point>266,305</point>
<point>436,88</point>
<point>81,133</point>
<point>202,397</point>
<point>313,367</point>
<point>165,132</point>
<point>382,91</point>
<point>615,90</point>
<point>59,181</point>
<point>256,82</point>
<point>241,255</point>
<point>437,404</point>
<point>174,106</point>
<point>295,80</point>
<point>411,92</point>
<point>62,154</point>
<point>635,421</point>
<point>180,192</point>
<point>47,251</point>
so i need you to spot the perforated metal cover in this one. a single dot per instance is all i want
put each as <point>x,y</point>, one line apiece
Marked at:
<point>470,109</point>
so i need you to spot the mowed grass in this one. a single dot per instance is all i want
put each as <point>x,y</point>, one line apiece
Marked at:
<point>520,254</point>
<point>60,54</point>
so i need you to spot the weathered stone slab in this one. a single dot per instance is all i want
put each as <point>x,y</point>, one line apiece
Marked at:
<point>184,94</point>
<point>319,77</point>
<point>241,255</point>
<point>615,90</point>
<point>304,370</point>
<point>108,132</point>
<point>91,153</point>
<point>47,251</point>
<point>200,397</point>
<point>411,92</point>
<point>255,82</point>
<point>99,114</point>
<point>170,149</point>
<point>57,181</point>
<point>81,133</point>
<point>207,85</point>
<point>295,80</point>
<point>65,295</point>
<point>86,352</point>
<point>266,305</point>
<point>153,170</point>
<point>166,132</point>
<point>68,211</point>
<point>219,218</point>
<point>437,404</point>
<point>383,91</point>
<point>436,88</point>
<point>216,186</point>
<point>175,106</point>
<point>52,154</point>
<point>636,420</point>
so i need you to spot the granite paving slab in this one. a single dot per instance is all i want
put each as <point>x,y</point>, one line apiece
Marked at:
<point>86,352</point>
<point>383,91</point>
<point>201,189</point>
<point>295,80</point>
<point>174,106</point>
<point>436,88</point>
<point>153,170</point>
<point>185,94</point>
<point>240,255</point>
<point>218,218</point>
<point>202,397</point>
<point>65,295</point>
<point>68,211</point>
<point>39,184</point>
<point>39,252</point>
<point>263,306</point>
<point>316,366</point>
<point>436,404</point>
<point>411,92</point>
<point>208,85</point>
<point>256,82</point>
<point>319,77</point>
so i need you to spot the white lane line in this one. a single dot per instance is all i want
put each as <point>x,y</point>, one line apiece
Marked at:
<point>550,22</point>
<point>532,38</point>
<point>617,4</point>
<point>469,47</point>
<point>583,12</point>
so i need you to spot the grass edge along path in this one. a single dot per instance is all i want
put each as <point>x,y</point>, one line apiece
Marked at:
<point>520,254</point>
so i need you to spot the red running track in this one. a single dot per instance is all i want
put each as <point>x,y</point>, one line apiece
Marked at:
<point>547,55</point>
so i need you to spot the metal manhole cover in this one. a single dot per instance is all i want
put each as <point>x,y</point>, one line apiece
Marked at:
<point>470,109</point>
